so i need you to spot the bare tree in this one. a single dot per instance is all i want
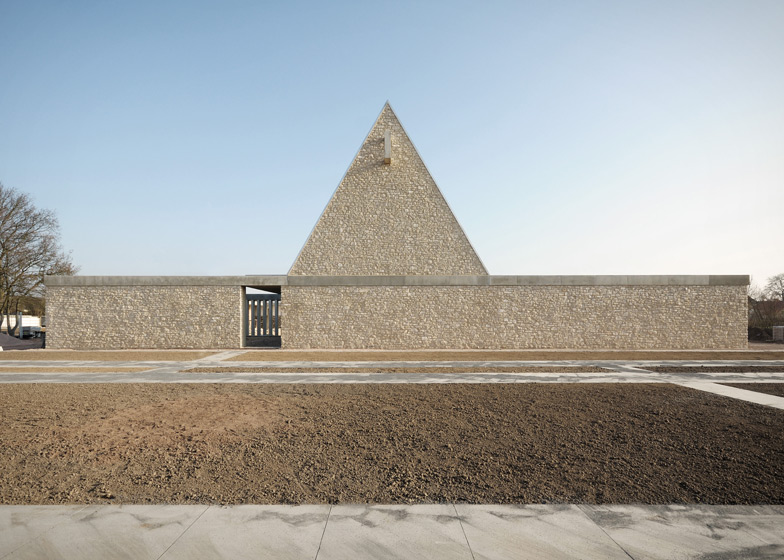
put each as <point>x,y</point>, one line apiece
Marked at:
<point>766,307</point>
<point>774,288</point>
<point>29,249</point>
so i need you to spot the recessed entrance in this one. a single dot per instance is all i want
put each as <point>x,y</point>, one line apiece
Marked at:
<point>261,316</point>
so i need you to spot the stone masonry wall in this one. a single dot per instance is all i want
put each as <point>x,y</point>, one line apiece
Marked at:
<point>387,219</point>
<point>611,317</point>
<point>111,317</point>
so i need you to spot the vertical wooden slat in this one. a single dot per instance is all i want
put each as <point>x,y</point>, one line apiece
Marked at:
<point>268,325</point>
<point>262,315</point>
<point>245,321</point>
<point>253,317</point>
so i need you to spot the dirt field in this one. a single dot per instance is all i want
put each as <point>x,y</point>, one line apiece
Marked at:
<point>496,355</point>
<point>715,369</point>
<point>756,352</point>
<point>81,369</point>
<point>427,369</point>
<point>527,443</point>
<point>108,355</point>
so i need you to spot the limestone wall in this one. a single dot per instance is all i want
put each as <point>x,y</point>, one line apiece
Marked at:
<point>537,316</point>
<point>146,316</point>
<point>621,312</point>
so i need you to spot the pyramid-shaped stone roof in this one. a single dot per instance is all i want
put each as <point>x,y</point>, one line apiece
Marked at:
<point>387,217</point>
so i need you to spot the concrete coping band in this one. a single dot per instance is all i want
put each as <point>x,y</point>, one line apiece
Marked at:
<point>316,281</point>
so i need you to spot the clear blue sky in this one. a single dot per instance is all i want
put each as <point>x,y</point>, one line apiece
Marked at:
<point>180,138</point>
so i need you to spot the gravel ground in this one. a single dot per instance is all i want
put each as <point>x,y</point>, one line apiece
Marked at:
<point>776,389</point>
<point>715,369</point>
<point>401,355</point>
<point>425,369</point>
<point>108,355</point>
<point>80,369</point>
<point>12,343</point>
<point>527,443</point>
<point>497,355</point>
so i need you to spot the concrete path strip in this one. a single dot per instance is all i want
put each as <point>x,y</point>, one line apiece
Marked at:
<point>162,372</point>
<point>489,532</point>
<point>615,365</point>
<point>702,379</point>
<point>221,356</point>
<point>735,393</point>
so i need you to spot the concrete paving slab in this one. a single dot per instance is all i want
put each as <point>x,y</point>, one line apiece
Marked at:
<point>112,532</point>
<point>221,356</point>
<point>168,376</point>
<point>178,372</point>
<point>382,531</point>
<point>735,393</point>
<point>429,532</point>
<point>506,532</point>
<point>639,366</point>
<point>245,532</point>
<point>20,525</point>
<point>686,532</point>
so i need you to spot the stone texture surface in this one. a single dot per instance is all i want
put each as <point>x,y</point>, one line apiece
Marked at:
<point>387,219</point>
<point>612,317</point>
<point>98,317</point>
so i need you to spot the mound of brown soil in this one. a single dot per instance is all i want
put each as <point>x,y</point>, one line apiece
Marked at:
<point>715,369</point>
<point>505,355</point>
<point>527,443</point>
<point>397,369</point>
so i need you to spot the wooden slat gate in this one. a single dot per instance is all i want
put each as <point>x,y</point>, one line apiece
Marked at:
<point>262,320</point>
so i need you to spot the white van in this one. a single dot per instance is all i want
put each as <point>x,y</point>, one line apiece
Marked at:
<point>31,325</point>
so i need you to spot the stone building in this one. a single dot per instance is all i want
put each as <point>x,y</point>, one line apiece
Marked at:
<point>388,266</point>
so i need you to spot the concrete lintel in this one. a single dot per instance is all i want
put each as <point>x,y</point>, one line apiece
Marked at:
<point>314,281</point>
<point>508,280</point>
<point>502,280</point>
<point>345,281</point>
<point>446,280</point>
<point>724,280</point>
<point>539,280</point>
<point>687,280</point>
<point>594,281</point>
<point>119,281</point>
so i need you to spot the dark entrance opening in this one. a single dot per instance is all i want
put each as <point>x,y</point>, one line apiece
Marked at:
<point>262,319</point>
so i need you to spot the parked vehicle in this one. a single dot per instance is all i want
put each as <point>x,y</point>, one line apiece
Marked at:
<point>31,325</point>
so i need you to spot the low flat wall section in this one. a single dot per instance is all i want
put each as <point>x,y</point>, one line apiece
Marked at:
<point>699,315</point>
<point>400,312</point>
<point>143,316</point>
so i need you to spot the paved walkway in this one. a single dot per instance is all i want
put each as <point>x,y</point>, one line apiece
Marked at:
<point>383,531</point>
<point>13,343</point>
<point>322,532</point>
<point>345,372</point>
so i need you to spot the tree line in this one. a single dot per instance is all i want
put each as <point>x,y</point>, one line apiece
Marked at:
<point>766,304</point>
<point>29,249</point>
